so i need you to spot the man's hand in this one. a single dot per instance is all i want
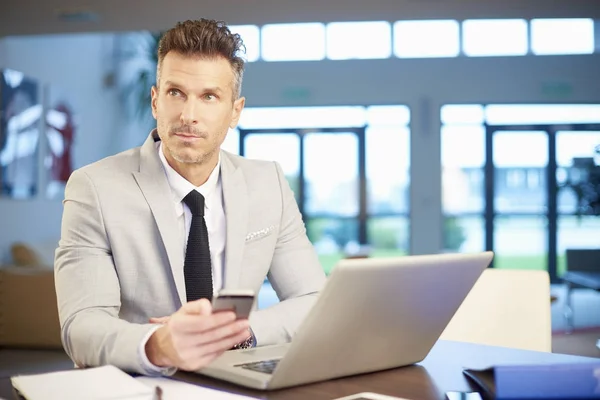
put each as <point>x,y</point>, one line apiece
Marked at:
<point>193,336</point>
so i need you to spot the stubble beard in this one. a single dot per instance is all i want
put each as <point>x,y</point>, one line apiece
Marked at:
<point>194,158</point>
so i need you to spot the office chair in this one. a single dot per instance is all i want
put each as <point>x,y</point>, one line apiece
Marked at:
<point>583,271</point>
<point>507,308</point>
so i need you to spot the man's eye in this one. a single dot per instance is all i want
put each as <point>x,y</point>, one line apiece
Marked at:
<point>174,92</point>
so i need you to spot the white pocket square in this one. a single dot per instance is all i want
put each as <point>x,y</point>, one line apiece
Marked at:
<point>259,234</point>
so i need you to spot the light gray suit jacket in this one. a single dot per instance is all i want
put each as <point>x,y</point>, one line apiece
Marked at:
<point>120,238</point>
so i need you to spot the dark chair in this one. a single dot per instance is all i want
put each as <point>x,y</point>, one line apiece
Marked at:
<point>583,270</point>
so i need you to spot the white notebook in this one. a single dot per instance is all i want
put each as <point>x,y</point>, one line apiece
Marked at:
<point>101,383</point>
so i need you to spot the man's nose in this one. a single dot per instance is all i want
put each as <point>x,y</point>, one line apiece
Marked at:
<point>189,113</point>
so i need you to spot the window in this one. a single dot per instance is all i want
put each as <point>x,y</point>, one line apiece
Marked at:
<point>293,42</point>
<point>499,114</point>
<point>232,142</point>
<point>250,35</point>
<point>519,209</point>
<point>373,142</point>
<point>562,36</point>
<point>501,37</point>
<point>414,39</point>
<point>348,40</point>
<point>515,178</point>
<point>534,178</point>
<point>302,117</point>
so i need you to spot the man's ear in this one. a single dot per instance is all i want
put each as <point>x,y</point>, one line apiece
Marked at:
<point>238,106</point>
<point>154,96</point>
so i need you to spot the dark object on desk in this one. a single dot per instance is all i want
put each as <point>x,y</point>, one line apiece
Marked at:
<point>583,270</point>
<point>463,396</point>
<point>530,382</point>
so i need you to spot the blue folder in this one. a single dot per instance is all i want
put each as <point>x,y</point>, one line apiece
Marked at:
<point>533,382</point>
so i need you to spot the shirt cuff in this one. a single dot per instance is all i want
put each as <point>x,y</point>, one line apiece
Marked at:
<point>148,367</point>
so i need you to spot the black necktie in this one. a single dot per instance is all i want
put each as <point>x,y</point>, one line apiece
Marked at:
<point>197,269</point>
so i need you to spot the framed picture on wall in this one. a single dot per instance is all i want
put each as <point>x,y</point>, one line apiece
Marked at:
<point>60,131</point>
<point>20,119</point>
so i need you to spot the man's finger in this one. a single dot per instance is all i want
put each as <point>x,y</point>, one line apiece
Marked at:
<point>224,344</point>
<point>198,307</point>
<point>159,320</point>
<point>202,323</point>
<point>224,331</point>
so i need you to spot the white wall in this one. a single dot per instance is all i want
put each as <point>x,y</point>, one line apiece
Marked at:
<point>2,51</point>
<point>76,64</point>
<point>18,18</point>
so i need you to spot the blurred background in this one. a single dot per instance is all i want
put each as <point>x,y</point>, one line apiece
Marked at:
<point>403,126</point>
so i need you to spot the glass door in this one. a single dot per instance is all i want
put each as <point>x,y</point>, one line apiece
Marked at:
<point>519,179</point>
<point>578,182</point>
<point>520,199</point>
<point>323,167</point>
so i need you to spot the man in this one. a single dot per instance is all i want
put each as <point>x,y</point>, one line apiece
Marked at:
<point>134,271</point>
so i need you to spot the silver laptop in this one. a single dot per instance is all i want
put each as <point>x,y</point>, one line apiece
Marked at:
<point>373,314</point>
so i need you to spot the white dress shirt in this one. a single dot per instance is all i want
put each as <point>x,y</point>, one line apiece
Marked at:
<point>214,216</point>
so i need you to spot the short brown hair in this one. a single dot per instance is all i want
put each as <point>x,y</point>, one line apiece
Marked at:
<point>205,38</point>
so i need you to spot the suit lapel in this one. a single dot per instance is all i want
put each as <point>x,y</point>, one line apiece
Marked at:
<point>235,197</point>
<point>155,187</point>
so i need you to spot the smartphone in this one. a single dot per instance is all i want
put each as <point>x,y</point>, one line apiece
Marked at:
<point>236,300</point>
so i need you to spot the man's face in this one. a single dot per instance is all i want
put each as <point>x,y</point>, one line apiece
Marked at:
<point>194,107</point>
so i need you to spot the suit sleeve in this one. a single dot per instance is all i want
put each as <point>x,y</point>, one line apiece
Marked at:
<point>87,286</point>
<point>295,274</point>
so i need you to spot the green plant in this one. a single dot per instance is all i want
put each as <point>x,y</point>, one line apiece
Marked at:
<point>141,57</point>
<point>454,234</point>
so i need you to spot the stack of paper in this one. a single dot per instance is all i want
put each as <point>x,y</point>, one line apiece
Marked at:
<point>102,383</point>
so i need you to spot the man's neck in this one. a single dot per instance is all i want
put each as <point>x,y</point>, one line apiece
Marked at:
<point>195,173</point>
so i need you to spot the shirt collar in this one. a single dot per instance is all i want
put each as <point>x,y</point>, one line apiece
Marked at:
<point>180,187</point>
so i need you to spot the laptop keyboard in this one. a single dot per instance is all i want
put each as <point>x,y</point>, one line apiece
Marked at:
<point>266,367</point>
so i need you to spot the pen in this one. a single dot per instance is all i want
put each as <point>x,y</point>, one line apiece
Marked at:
<point>158,393</point>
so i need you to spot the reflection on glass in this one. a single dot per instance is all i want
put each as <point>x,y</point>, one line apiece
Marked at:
<point>387,163</point>
<point>20,114</point>
<point>281,147</point>
<point>331,185</point>
<point>333,238</point>
<point>575,233</point>
<point>360,40</point>
<point>388,236</point>
<point>520,242</point>
<point>520,160</point>
<point>463,159</point>
<point>577,162</point>
<point>464,234</point>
